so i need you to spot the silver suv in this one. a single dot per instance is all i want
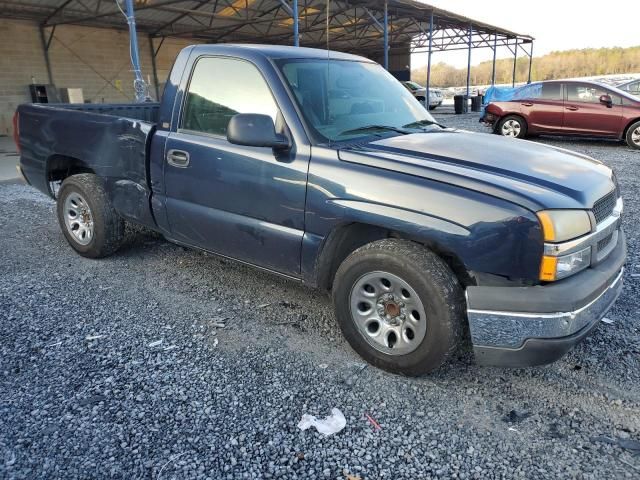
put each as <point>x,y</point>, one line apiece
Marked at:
<point>420,92</point>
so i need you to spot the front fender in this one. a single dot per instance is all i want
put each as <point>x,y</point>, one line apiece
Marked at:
<point>485,233</point>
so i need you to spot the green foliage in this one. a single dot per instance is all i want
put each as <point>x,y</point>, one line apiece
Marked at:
<point>564,64</point>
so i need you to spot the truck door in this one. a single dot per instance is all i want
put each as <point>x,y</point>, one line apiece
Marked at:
<point>243,202</point>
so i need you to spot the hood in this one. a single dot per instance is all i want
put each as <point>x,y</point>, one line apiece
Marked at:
<point>533,175</point>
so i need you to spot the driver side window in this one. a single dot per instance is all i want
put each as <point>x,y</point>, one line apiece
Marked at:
<point>221,88</point>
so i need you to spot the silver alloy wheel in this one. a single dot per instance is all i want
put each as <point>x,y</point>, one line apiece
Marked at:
<point>78,218</point>
<point>635,136</point>
<point>511,128</point>
<point>388,313</point>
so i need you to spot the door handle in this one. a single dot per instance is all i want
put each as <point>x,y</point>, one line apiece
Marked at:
<point>527,104</point>
<point>178,158</point>
<point>572,108</point>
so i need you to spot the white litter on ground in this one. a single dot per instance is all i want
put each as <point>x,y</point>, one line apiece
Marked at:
<point>155,344</point>
<point>606,320</point>
<point>326,426</point>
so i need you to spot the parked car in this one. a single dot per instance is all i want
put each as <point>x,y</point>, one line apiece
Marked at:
<point>576,108</point>
<point>633,87</point>
<point>435,96</point>
<point>416,229</point>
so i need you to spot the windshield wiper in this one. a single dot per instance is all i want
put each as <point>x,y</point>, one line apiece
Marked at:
<point>423,123</point>
<point>369,128</point>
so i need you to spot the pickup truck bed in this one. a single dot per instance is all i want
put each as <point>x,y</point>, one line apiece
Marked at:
<point>110,140</point>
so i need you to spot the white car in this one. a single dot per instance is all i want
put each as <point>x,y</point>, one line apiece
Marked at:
<point>633,87</point>
<point>435,96</point>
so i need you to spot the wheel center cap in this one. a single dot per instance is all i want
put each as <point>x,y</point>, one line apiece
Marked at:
<point>392,309</point>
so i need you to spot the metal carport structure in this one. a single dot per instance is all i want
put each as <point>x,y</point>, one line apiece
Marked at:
<point>376,29</point>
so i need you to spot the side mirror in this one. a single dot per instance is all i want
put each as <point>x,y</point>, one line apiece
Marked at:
<point>606,100</point>
<point>255,130</point>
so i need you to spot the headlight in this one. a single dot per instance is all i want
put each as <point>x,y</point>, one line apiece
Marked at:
<point>555,268</point>
<point>563,225</point>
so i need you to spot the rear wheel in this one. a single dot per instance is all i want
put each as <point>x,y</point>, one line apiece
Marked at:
<point>399,306</point>
<point>512,126</point>
<point>88,220</point>
<point>633,135</point>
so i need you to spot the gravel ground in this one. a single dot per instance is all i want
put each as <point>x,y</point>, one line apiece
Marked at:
<point>161,362</point>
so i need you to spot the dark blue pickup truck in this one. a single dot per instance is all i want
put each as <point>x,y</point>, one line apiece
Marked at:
<point>321,167</point>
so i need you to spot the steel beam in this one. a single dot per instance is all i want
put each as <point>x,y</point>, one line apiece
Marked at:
<point>493,66</point>
<point>139,85</point>
<point>428,86</point>
<point>56,11</point>
<point>386,35</point>
<point>530,62</point>
<point>45,50</point>
<point>153,65</point>
<point>89,18</point>
<point>469,61</point>
<point>515,61</point>
<point>296,33</point>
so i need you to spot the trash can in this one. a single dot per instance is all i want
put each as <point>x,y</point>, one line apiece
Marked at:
<point>476,103</point>
<point>460,104</point>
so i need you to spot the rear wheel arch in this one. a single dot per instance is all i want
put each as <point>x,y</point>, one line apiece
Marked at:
<point>515,116</point>
<point>60,167</point>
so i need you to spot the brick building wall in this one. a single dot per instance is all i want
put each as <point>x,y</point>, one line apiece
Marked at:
<point>94,59</point>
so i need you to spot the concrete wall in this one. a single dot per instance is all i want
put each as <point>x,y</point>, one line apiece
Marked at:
<point>94,59</point>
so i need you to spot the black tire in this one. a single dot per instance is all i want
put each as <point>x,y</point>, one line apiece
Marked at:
<point>633,132</point>
<point>513,118</point>
<point>436,286</point>
<point>108,226</point>
<point>432,107</point>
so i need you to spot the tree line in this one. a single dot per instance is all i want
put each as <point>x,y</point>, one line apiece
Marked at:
<point>563,64</point>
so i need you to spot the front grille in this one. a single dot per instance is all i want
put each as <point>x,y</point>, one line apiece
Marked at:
<point>604,207</point>
<point>602,244</point>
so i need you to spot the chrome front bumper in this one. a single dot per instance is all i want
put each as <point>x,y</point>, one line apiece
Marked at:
<point>526,336</point>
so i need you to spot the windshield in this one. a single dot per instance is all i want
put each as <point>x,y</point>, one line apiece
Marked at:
<point>344,100</point>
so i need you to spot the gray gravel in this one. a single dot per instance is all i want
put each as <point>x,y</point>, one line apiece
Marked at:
<point>161,362</point>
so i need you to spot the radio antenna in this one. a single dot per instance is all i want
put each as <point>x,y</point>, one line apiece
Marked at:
<point>327,78</point>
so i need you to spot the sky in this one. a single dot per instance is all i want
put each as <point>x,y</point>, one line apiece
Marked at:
<point>555,25</point>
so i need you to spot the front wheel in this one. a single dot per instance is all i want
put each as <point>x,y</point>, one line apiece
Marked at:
<point>399,306</point>
<point>512,126</point>
<point>633,135</point>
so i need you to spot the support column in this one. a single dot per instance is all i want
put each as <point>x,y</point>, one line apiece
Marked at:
<point>493,68</point>
<point>139,84</point>
<point>155,70</point>
<point>515,61</point>
<point>530,61</point>
<point>469,63</point>
<point>428,86</point>
<point>296,34</point>
<point>45,51</point>
<point>385,27</point>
